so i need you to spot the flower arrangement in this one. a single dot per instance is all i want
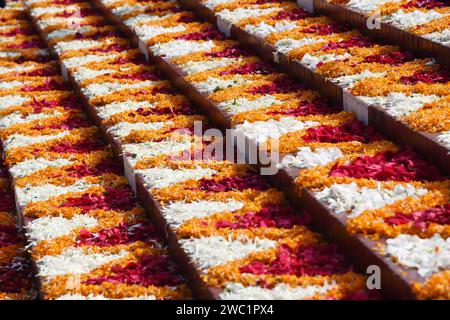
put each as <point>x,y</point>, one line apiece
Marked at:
<point>375,73</point>
<point>337,155</point>
<point>87,235</point>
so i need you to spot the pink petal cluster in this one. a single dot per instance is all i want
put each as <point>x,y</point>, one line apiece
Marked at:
<point>293,15</point>
<point>327,29</point>
<point>306,107</point>
<point>124,233</point>
<point>270,216</point>
<point>260,67</point>
<point>234,183</point>
<point>119,198</point>
<point>278,86</point>
<point>404,165</point>
<point>15,276</point>
<point>394,58</point>
<point>310,260</point>
<point>150,270</point>
<point>352,42</point>
<point>350,131</point>
<point>78,147</point>
<point>421,219</point>
<point>442,76</point>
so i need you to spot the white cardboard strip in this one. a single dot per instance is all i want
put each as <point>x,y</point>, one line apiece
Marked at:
<point>308,5</point>
<point>143,48</point>
<point>353,104</point>
<point>129,173</point>
<point>224,26</point>
<point>64,71</point>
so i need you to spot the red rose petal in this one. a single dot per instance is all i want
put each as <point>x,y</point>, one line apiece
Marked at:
<point>15,276</point>
<point>327,29</point>
<point>9,235</point>
<point>294,14</point>
<point>404,165</point>
<point>147,75</point>
<point>122,234</point>
<point>350,131</point>
<point>150,270</point>
<point>7,203</point>
<point>301,261</point>
<point>31,44</point>
<point>234,183</point>
<point>251,68</point>
<point>120,198</point>
<point>230,52</point>
<point>208,34</point>
<point>305,108</point>
<point>395,58</point>
<point>352,42</point>
<point>426,4</point>
<point>439,214</point>
<point>441,76</point>
<point>78,147</point>
<point>278,86</point>
<point>49,84</point>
